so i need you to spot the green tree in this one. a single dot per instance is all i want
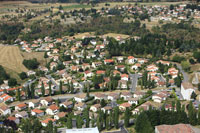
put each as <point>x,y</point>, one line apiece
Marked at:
<point>60,87</point>
<point>143,124</point>
<point>50,90</point>
<point>23,75</point>
<point>18,95</point>
<point>192,114</point>
<point>45,55</point>
<point>32,91</point>
<point>79,121</point>
<point>43,89</point>
<point>194,95</point>
<point>185,65</point>
<point>50,127</point>
<point>198,118</point>
<point>12,82</point>
<point>116,117</point>
<point>69,122</point>
<point>127,117</point>
<point>86,116</point>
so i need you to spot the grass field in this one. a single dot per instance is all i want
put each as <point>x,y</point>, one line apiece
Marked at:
<point>75,6</point>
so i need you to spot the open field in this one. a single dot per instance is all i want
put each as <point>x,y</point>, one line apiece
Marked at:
<point>38,55</point>
<point>11,58</point>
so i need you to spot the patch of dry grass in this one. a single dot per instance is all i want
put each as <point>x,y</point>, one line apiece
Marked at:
<point>114,35</point>
<point>11,59</point>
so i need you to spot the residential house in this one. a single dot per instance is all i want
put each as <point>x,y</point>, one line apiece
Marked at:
<point>120,67</point>
<point>46,121</point>
<point>133,101</point>
<point>59,115</point>
<point>95,108</point>
<point>66,104</point>
<point>14,119</point>
<point>20,106</point>
<point>88,74</point>
<point>34,103</point>
<point>125,95</point>
<point>123,106</point>
<point>4,110</point>
<point>136,66</point>
<point>177,128</point>
<point>107,108</point>
<point>22,114</point>
<point>139,94</point>
<point>52,110</point>
<point>124,77</point>
<point>37,112</point>
<point>80,106</point>
<point>113,96</point>
<point>122,84</point>
<point>80,97</point>
<point>131,60</point>
<point>46,101</point>
<point>152,68</point>
<point>100,96</point>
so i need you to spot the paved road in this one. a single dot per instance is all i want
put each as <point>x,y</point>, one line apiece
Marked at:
<point>62,97</point>
<point>185,75</point>
<point>134,79</point>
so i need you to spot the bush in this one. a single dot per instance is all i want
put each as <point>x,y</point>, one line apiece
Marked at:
<point>23,75</point>
<point>12,82</point>
<point>31,64</point>
<point>178,59</point>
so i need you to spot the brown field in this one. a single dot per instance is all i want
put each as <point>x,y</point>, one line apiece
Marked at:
<point>11,59</point>
<point>38,55</point>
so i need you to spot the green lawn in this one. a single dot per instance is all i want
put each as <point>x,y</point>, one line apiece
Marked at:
<point>76,6</point>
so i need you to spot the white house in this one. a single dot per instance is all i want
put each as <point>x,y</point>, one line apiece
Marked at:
<point>95,107</point>
<point>37,112</point>
<point>46,101</point>
<point>133,101</point>
<point>34,103</point>
<point>52,110</point>
<point>80,97</point>
<point>66,104</point>
<point>131,60</point>
<point>186,90</point>
<point>22,114</point>
<point>46,121</point>
<point>4,110</point>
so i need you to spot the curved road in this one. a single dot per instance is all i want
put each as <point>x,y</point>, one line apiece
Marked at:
<point>185,75</point>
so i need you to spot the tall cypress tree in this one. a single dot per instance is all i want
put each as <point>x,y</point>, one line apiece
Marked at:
<point>116,117</point>
<point>32,91</point>
<point>198,115</point>
<point>43,89</point>
<point>79,121</point>
<point>18,95</point>
<point>69,122</point>
<point>60,87</point>
<point>142,124</point>
<point>50,91</point>
<point>86,116</point>
<point>127,117</point>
